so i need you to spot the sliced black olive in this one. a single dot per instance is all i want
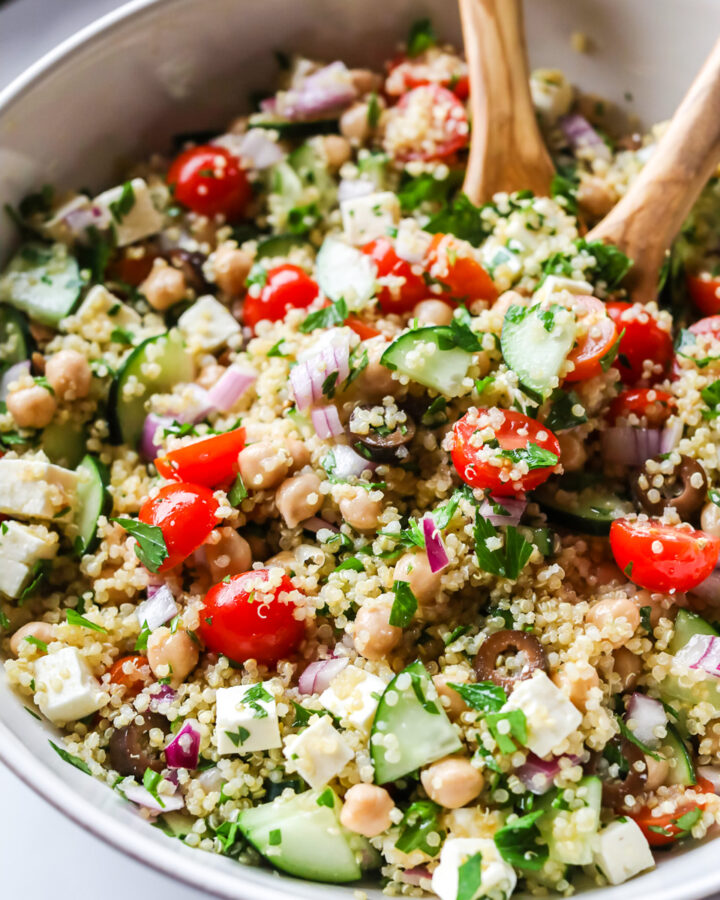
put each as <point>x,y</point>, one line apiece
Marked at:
<point>191,265</point>
<point>676,490</point>
<point>615,790</point>
<point>500,642</point>
<point>130,751</point>
<point>381,444</point>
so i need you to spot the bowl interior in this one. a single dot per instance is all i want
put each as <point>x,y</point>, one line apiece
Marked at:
<point>119,90</point>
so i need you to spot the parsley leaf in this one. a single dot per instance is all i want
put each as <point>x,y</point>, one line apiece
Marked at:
<point>508,560</point>
<point>69,758</point>
<point>421,819</point>
<point>536,457</point>
<point>630,736</point>
<point>335,314</point>
<point>121,336</point>
<point>373,111</point>
<point>517,842</point>
<point>517,729</point>
<point>350,563</point>
<point>426,188</point>
<point>36,642</point>
<point>141,642</point>
<point>238,492</point>
<point>483,695</point>
<point>711,397</point>
<point>463,219</point>
<point>238,737</point>
<point>125,202</point>
<point>562,413</point>
<point>565,184</point>
<point>74,618</point>
<point>150,548</point>
<point>469,877</point>
<point>421,37</point>
<point>327,798</point>
<point>404,605</point>
<point>276,351</point>
<point>608,358</point>
<point>151,780</point>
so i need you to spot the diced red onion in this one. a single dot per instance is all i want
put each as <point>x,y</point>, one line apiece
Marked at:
<point>197,407</point>
<point>671,434</point>
<point>140,795</point>
<point>158,609</point>
<point>515,507</point>
<point>318,675</point>
<point>166,694</point>
<point>580,134</point>
<point>149,445</point>
<point>326,422</point>
<point>309,375</point>
<point>630,446</point>
<point>711,774</point>
<point>434,547</point>
<point>80,217</point>
<point>537,774</point>
<point>183,751</point>
<point>416,875</point>
<point>348,463</point>
<point>12,374</point>
<point>254,147</point>
<point>326,90</point>
<point>316,524</point>
<point>352,188</point>
<point>646,714</point>
<point>709,589</point>
<point>702,651</point>
<point>230,387</point>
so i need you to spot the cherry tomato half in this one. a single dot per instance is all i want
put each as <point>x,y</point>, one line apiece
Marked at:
<point>287,287</point>
<point>521,443</point>
<point>661,831</point>
<point>597,338</point>
<point>662,557</point>
<point>650,404</point>
<point>244,619</point>
<point>643,339</point>
<point>210,181</point>
<point>428,123</point>
<point>407,289</point>
<point>210,462</point>
<point>364,331</point>
<point>132,672</point>
<point>185,513</point>
<point>452,262</point>
<point>431,67</point>
<point>704,292</point>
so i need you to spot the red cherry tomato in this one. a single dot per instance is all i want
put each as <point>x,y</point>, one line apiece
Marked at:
<point>599,335</point>
<point>210,181</point>
<point>245,619</point>
<point>644,339</point>
<point>364,331</point>
<point>131,270</point>
<point>430,123</point>
<point>661,831</point>
<point>650,404</point>
<point>709,325</point>
<point>474,456</point>
<point>452,262</point>
<point>405,74</point>
<point>704,292</point>
<point>407,289</point>
<point>132,672</point>
<point>185,513</point>
<point>663,557</point>
<point>210,462</point>
<point>287,287</point>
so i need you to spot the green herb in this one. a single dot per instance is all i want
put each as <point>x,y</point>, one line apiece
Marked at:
<point>350,563</point>
<point>41,381</point>
<point>508,560</point>
<point>611,265</point>
<point>150,548</point>
<point>121,336</point>
<point>32,713</point>
<point>258,275</point>
<point>535,456</point>
<point>561,414</point>
<point>125,202</point>
<point>488,759</point>
<point>463,219</point>
<point>238,737</point>
<point>418,676</point>
<point>141,642</point>
<point>435,413</point>
<point>41,645</point>
<point>421,37</point>
<point>329,383</point>
<point>335,314</point>
<point>565,184</point>
<point>455,634</point>
<point>238,492</point>
<point>151,780</point>
<point>684,822</point>
<point>327,798</point>
<point>518,729</point>
<point>373,111</point>
<point>69,758</point>
<point>4,621</point>
<point>518,845</point>
<point>180,429</point>
<point>74,618</point>
<point>421,819</point>
<point>301,219</point>
<point>275,349</point>
<point>714,496</point>
<point>711,396</point>
<point>62,512</point>
<point>426,188</point>
<point>483,695</point>
<point>628,735</point>
<point>253,697</point>
<point>38,573</point>
<point>275,837</point>
<point>645,612</point>
<point>608,358</point>
<point>404,605</point>
<point>37,203</point>
<point>469,877</point>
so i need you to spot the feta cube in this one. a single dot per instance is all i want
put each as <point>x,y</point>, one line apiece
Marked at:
<point>621,850</point>
<point>552,94</point>
<point>14,576</point>
<point>496,879</point>
<point>354,695</point>
<point>99,315</point>
<point>65,688</point>
<point>412,242</point>
<point>21,547</point>
<point>207,324</point>
<point>36,489</point>
<point>551,717</point>
<point>555,284</point>
<point>369,217</point>
<point>138,220</point>
<point>318,753</point>
<point>246,719</point>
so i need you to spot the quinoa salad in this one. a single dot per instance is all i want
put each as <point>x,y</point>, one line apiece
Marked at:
<point>355,531</point>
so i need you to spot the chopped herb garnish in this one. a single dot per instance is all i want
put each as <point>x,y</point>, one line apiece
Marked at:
<point>327,798</point>
<point>626,733</point>
<point>275,350</point>
<point>504,734</point>
<point>535,456</point>
<point>150,548</point>
<point>239,737</point>
<point>125,202</point>
<point>566,410</point>
<point>36,642</point>
<point>69,758</point>
<point>421,819</point>
<point>469,877</point>
<point>609,357</point>
<point>518,845</point>
<point>121,336</point>
<point>404,605</point>
<point>74,618</point>
<point>151,780</point>
<point>510,559</point>
<point>421,37</point>
<point>711,397</point>
<point>238,492</point>
<point>483,695</point>
<point>350,563</point>
<point>335,314</point>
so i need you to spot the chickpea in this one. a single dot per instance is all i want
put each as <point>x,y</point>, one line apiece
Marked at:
<point>172,655</point>
<point>354,124</point>
<point>610,615</point>
<point>299,452</point>
<point>336,149</point>
<point>69,374</point>
<point>506,300</point>
<point>594,196</point>
<point>659,605</point>
<point>228,553</point>
<point>375,381</point>
<point>285,560</point>
<point>366,810</point>
<point>657,771</point>
<point>433,312</point>
<point>31,407</point>
<point>710,519</point>
<point>452,702</point>
<point>415,569</point>
<point>575,680</point>
<point>40,630</point>
<point>298,498</point>
<point>360,511</point>
<point>164,286</point>
<point>573,455</point>
<point>231,267</point>
<point>452,782</point>
<point>374,636</point>
<point>365,81</point>
<point>628,667</point>
<point>263,465</point>
<point>210,375</point>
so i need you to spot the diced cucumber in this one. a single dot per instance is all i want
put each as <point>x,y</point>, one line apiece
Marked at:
<point>410,728</point>
<point>43,280</point>
<point>589,511</point>
<point>569,833</point>
<point>93,501</point>
<point>279,245</point>
<point>63,445</point>
<point>343,271</point>
<point>535,343</point>
<point>16,343</point>
<point>419,355</point>
<point>374,167</point>
<point>297,129</point>
<point>687,625</point>
<point>126,406</point>
<point>176,824</point>
<point>682,770</point>
<point>302,836</point>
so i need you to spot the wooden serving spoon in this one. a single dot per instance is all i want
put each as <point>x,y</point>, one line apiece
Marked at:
<point>507,152</point>
<point>646,220</point>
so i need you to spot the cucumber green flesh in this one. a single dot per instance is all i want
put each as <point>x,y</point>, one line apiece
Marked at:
<point>43,281</point>
<point>535,354</point>
<point>443,371</point>
<point>344,271</point>
<point>279,245</point>
<point>298,129</point>
<point>93,501</point>
<point>422,736</point>
<point>312,842</point>
<point>591,511</point>
<point>578,852</point>
<point>64,444</point>
<point>674,749</point>
<point>127,414</point>
<point>687,625</point>
<point>15,339</point>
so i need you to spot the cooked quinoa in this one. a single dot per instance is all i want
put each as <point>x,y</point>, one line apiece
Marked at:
<point>354,530</point>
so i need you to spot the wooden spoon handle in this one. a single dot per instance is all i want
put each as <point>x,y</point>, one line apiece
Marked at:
<point>649,216</point>
<point>507,152</point>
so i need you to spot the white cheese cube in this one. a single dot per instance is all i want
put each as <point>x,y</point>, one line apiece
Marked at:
<point>13,577</point>
<point>99,314</point>
<point>35,489</point>
<point>554,284</point>
<point>621,850</point>
<point>65,688</point>
<point>552,94</point>
<point>496,879</point>
<point>246,719</point>
<point>412,242</point>
<point>138,219</point>
<point>207,324</point>
<point>354,695</point>
<point>369,217</point>
<point>318,753</point>
<point>21,546</point>
<point>551,717</point>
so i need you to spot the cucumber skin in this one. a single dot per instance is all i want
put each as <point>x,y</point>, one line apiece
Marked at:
<point>67,281</point>
<point>14,318</point>
<point>279,245</point>
<point>590,523</point>
<point>688,624</point>
<point>394,356</point>
<point>101,478</point>
<point>683,773</point>
<point>523,341</point>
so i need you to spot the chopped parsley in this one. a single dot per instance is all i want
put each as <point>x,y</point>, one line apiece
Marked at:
<point>151,780</point>
<point>469,877</point>
<point>238,492</point>
<point>125,202</point>
<point>420,37</point>
<point>628,735</point>
<point>711,397</point>
<point>608,358</point>
<point>327,798</point>
<point>565,184</point>
<point>74,618</point>
<point>239,737</point>
<point>350,563</point>
<point>483,695</point>
<point>36,642</point>
<point>404,605</point>
<point>69,758</point>
<point>150,548</point>
<point>518,845</point>
<point>508,560</point>
<point>276,350</point>
<point>121,336</point>
<point>566,411</point>
<point>426,188</point>
<point>373,111</point>
<point>141,642</point>
<point>421,819</point>
<point>506,735</point>
<point>463,219</point>
<point>335,314</point>
<point>536,457</point>
<point>253,697</point>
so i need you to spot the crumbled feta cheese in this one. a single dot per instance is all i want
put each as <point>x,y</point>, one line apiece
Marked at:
<point>412,243</point>
<point>497,878</point>
<point>98,305</point>
<point>21,546</point>
<point>139,219</point>
<point>65,688</point>
<point>246,719</point>
<point>35,489</point>
<point>551,717</point>
<point>369,217</point>
<point>621,850</point>
<point>354,695</point>
<point>207,324</point>
<point>318,753</point>
<point>555,284</point>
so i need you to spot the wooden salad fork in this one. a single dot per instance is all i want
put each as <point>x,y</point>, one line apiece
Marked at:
<point>507,151</point>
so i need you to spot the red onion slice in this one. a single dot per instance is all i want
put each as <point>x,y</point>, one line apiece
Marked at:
<point>671,434</point>
<point>581,135</point>
<point>316,524</point>
<point>254,148</point>
<point>183,751</point>
<point>12,374</point>
<point>646,715</point>
<point>416,875</point>
<point>630,446</point>
<point>702,651</point>
<point>537,774</point>
<point>230,387</point>
<point>150,445</point>
<point>513,508</point>
<point>348,463</point>
<point>332,354</point>
<point>326,422</point>
<point>434,547</point>
<point>318,675</point>
<point>158,609</point>
<point>140,795</point>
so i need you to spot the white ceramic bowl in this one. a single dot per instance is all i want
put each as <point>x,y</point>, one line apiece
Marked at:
<point>123,86</point>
